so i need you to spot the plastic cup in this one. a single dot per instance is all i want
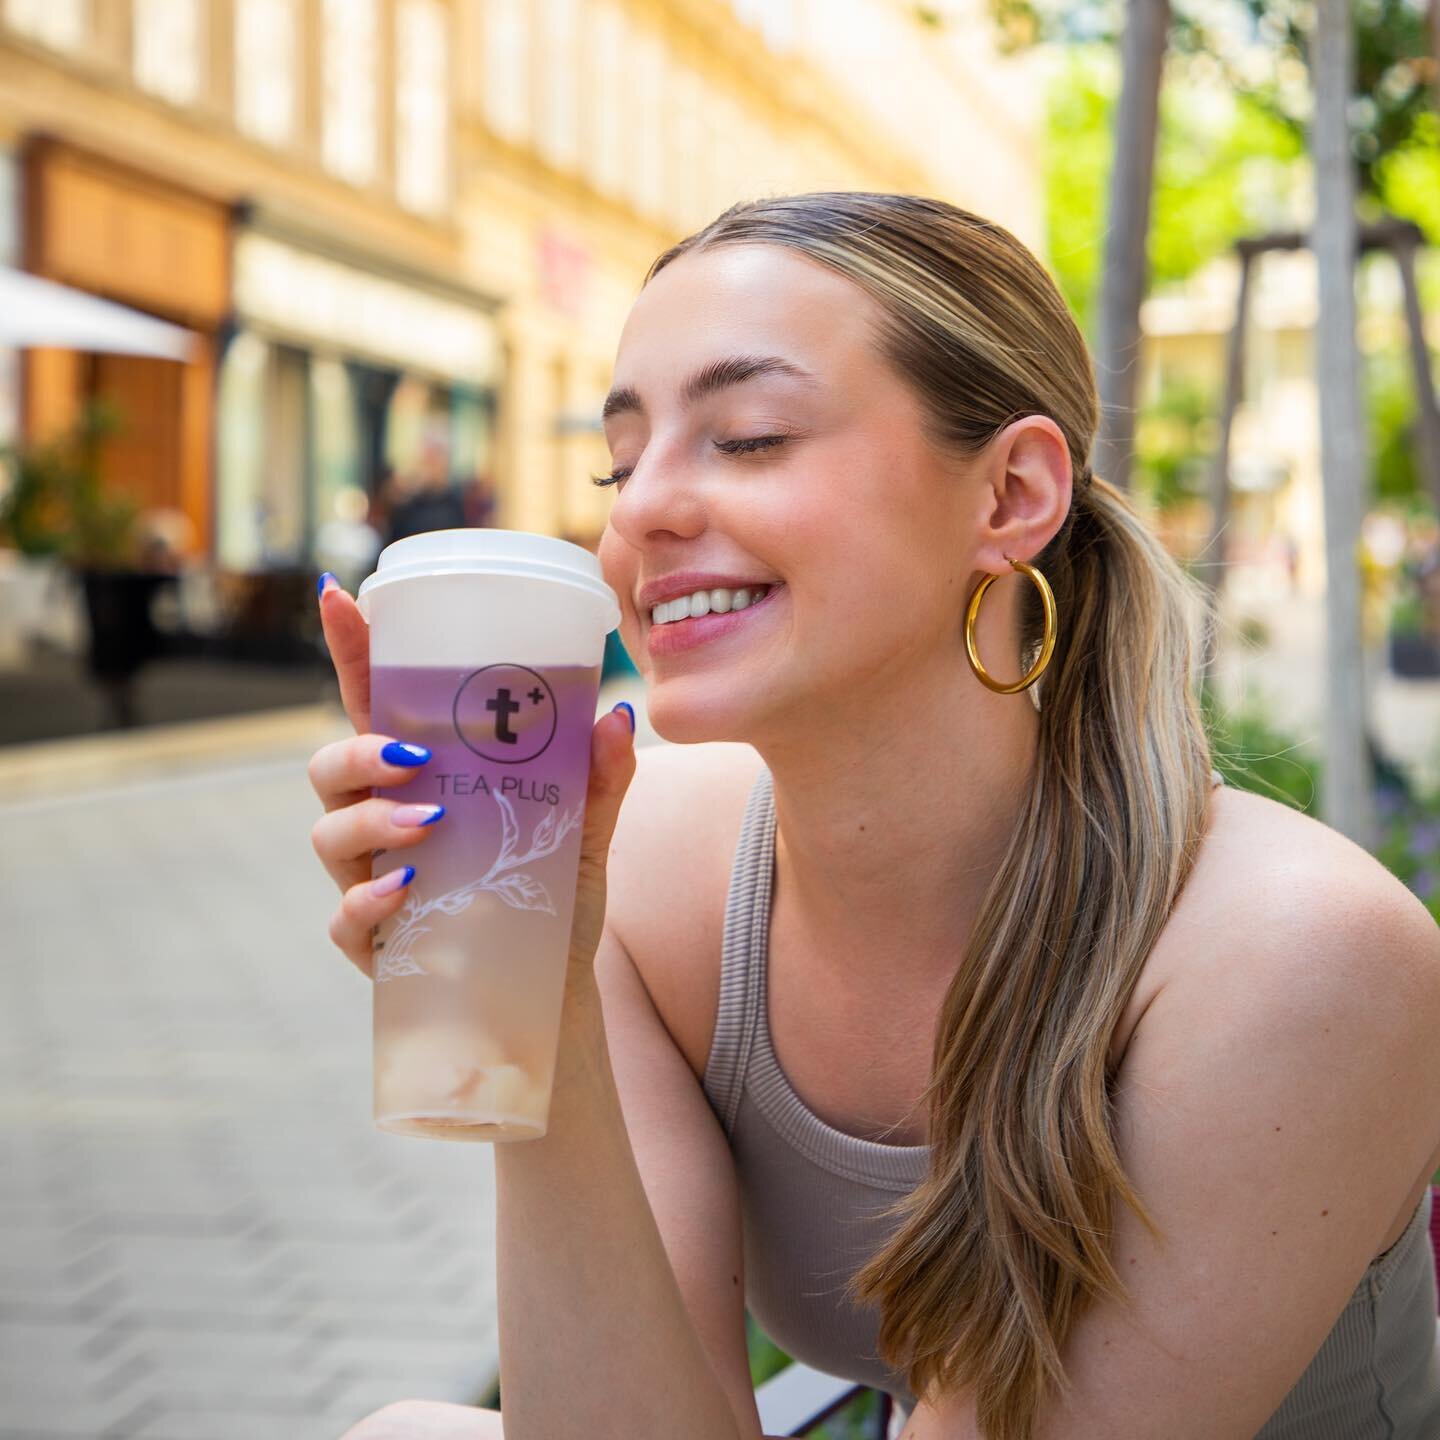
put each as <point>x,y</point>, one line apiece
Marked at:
<point>486,647</point>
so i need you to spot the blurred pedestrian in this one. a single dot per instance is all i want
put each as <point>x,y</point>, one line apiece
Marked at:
<point>432,503</point>
<point>479,500</point>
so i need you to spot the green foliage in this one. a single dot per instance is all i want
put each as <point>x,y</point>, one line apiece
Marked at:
<point>1410,844</point>
<point>1407,177</point>
<point>1077,157</point>
<point>1260,50</point>
<point>1224,168</point>
<point>855,1422</point>
<point>1391,420</point>
<point>1252,752</point>
<point>766,1357</point>
<point>1175,438</point>
<point>55,503</point>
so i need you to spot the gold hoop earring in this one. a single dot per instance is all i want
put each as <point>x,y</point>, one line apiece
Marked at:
<point>1047,648</point>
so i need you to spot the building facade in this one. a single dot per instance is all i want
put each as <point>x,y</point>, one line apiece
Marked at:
<point>595,133</point>
<point>407,232</point>
<point>279,177</point>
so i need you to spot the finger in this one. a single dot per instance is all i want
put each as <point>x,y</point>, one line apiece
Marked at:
<point>345,770</point>
<point>346,838</point>
<point>362,908</point>
<point>347,637</point>
<point>612,764</point>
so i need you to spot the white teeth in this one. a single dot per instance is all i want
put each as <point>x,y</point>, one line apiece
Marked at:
<point>703,602</point>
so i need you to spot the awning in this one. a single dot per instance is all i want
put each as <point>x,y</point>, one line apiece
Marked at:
<point>40,312</point>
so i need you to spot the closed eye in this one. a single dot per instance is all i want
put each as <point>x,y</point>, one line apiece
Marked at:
<point>729,447</point>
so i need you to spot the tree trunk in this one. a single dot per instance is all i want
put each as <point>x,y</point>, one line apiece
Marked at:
<point>1211,568</point>
<point>1122,286</point>
<point>1348,795</point>
<point>1427,411</point>
<point>1435,48</point>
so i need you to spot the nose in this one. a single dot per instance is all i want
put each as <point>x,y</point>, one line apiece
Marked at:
<point>661,496</point>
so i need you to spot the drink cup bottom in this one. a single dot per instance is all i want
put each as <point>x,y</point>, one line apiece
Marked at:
<point>432,1126</point>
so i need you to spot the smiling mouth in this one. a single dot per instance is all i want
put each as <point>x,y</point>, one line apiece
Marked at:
<point>760,594</point>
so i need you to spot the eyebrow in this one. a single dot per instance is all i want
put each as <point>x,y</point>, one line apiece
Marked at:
<point>717,375</point>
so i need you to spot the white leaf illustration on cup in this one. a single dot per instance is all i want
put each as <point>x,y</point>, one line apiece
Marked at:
<point>518,890</point>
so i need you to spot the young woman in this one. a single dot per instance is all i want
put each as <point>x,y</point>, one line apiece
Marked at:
<point>1052,1089</point>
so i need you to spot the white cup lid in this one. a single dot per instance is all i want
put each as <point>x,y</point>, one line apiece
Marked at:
<point>484,550</point>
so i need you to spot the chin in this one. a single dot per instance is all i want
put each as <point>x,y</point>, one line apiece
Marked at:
<point>694,720</point>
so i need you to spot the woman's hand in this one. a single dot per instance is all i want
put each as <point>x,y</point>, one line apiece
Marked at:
<point>357,822</point>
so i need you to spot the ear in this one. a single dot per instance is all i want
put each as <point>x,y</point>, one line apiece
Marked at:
<point>1029,473</point>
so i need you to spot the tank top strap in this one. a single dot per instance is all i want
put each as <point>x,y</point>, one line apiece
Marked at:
<point>747,917</point>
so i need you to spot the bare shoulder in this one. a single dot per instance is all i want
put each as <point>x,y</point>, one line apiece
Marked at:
<point>668,874</point>
<point>1273,883</point>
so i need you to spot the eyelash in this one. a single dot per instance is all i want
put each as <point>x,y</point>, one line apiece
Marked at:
<point>730,447</point>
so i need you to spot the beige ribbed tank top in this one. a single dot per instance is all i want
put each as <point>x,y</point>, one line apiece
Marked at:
<point>810,1197</point>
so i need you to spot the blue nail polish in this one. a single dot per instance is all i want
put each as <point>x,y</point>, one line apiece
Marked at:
<point>629,710</point>
<point>409,876</point>
<point>397,752</point>
<point>439,811</point>
<point>320,588</point>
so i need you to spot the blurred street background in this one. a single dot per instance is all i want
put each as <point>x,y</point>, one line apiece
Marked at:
<point>284,280</point>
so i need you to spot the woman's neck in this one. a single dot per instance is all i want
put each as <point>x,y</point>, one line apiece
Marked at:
<point>888,834</point>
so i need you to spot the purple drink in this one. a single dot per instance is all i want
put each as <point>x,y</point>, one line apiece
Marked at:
<point>470,972</point>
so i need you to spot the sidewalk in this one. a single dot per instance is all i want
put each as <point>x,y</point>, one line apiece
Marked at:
<point>202,1234</point>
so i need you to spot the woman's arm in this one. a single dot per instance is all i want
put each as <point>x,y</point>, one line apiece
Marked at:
<point>595,1339</point>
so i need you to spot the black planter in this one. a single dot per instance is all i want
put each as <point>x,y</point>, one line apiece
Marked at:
<point>123,636</point>
<point>1414,657</point>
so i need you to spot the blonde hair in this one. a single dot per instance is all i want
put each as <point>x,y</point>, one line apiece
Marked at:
<point>1003,1245</point>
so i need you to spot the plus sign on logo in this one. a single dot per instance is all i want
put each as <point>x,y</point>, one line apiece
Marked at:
<point>505,713</point>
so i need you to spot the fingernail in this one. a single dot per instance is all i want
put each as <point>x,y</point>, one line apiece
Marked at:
<point>395,880</point>
<point>413,815</point>
<point>629,710</point>
<point>326,579</point>
<point>397,752</point>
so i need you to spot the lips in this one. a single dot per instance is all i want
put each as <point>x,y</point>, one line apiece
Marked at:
<point>680,635</point>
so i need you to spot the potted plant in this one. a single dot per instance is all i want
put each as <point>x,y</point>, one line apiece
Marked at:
<point>1415,623</point>
<point>57,509</point>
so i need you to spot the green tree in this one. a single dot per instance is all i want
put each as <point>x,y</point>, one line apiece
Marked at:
<point>1225,167</point>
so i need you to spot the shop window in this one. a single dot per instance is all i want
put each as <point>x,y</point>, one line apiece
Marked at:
<point>240,455</point>
<point>169,41</point>
<point>422,107</point>
<point>263,455</point>
<point>60,24</point>
<point>559,118</point>
<point>349,142</point>
<point>604,123</point>
<point>690,150</point>
<point>774,19</point>
<point>417,429</point>
<point>335,440</point>
<point>647,87</point>
<point>9,255</point>
<point>507,46</point>
<point>287,462</point>
<point>266,42</point>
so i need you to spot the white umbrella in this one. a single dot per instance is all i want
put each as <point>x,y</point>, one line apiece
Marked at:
<point>40,312</point>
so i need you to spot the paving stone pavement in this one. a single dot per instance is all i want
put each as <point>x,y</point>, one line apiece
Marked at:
<point>202,1234</point>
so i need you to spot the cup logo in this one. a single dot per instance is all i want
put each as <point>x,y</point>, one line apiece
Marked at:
<point>505,713</point>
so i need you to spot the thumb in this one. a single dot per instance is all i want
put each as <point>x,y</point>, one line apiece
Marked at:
<point>612,765</point>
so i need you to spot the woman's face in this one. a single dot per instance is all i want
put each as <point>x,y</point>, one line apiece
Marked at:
<point>849,509</point>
